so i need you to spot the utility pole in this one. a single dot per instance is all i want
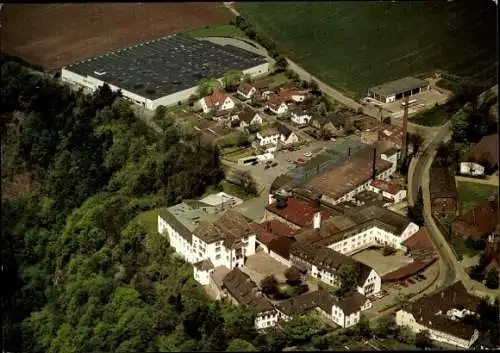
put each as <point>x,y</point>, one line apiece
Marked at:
<point>404,147</point>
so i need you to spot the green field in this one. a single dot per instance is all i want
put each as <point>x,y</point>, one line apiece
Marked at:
<point>217,31</point>
<point>355,45</point>
<point>149,219</point>
<point>471,195</point>
<point>432,117</point>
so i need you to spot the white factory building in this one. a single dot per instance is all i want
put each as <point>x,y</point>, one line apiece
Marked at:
<point>163,71</point>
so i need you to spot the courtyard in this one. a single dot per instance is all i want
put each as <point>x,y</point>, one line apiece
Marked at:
<point>382,264</point>
<point>260,265</point>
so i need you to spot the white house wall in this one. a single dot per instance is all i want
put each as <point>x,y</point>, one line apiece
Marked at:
<point>471,168</point>
<point>407,319</point>
<point>266,320</point>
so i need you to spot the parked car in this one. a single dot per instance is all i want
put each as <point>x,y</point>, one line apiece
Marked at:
<point>410,281</point>
<point>422,277</point>
<point>274,164</point>
<point>307,154</point>
<point>419,279</point>
<point>267,166</point>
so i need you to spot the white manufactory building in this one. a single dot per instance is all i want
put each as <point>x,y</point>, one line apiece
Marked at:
<point>207,238</point>
<point>164,71</point>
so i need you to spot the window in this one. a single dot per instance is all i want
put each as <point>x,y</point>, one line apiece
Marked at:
<point>217,257</point>
<point>217,249</point>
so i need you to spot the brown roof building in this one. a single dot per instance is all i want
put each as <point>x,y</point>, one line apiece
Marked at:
<point>478,222</point>
<point>485,152</point>
<point>442,313</point>
<point>296,213</point>
<point>230,227</point>
<point>239,285</point>
<point>443,190</point>
<point>345,177</point>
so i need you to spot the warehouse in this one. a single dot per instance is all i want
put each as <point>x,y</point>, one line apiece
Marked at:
<point>395,90</point>
<point>163,71</point>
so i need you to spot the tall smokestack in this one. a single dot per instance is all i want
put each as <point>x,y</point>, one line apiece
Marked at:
<point>404,147</point>
<point>374,169</point>
<point>349,152</point>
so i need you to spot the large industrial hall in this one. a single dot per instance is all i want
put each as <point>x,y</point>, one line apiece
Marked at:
<point>163,71</point>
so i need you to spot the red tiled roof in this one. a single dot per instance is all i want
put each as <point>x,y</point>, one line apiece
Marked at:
<point>216,98</point>
<point>419,240</point>
<point>274,101</point>
<point>263,235</point>
<point>297,212</point>
<point>279,228</point>
<point>245,88</point>
<point>389,132</point>
<point>406,271</point>
<point>386,186</point>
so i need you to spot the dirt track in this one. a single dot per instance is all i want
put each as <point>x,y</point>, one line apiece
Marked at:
<point>54,35</point>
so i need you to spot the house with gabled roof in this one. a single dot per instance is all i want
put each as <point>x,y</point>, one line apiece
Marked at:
<point>287,136</point>
<point>345,312</point>
<point>276,104</point>
<point>246,90</point>
<point>240,288</point>
<point>216,101</point>
<point>248,117</point>
<point>442,314</point>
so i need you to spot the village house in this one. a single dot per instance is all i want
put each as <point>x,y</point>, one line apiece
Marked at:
<point>333,125</point>
<point>291,95</point>
<point>442,315</point>
<point>238,286</point>
<point>443,190</point>
<point>300,116</point>
<point>276,105</point>
<point>482,157</point>
<point>226,116</point>
<point>217,101</point>
<point>324,263</point>
<point>388,190</point>
<point>478,222</point>
<point>247,118</point>
<point>246,90</point>
<point>268,137</point>
<point>345,312</point>
<point>287,136</point>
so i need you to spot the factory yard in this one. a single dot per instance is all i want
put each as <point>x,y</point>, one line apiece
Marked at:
<point>382,264</point>
<point>55,35</point>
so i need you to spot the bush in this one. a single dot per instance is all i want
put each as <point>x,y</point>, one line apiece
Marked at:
<point>269,285</point>
<point>387,251</point>
<point>492,279</point>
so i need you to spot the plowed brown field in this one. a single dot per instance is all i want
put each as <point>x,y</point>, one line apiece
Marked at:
<point>54,35</point>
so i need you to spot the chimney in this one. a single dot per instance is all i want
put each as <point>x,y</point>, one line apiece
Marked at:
<point>317,220</point>
<point>374,169</point>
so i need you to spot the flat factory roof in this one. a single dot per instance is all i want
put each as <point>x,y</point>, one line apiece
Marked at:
<point>167,65</point>
<point>398,86</point>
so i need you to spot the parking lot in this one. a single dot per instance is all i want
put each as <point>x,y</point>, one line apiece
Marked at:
<point>382,264</point>
<point>285,161</point>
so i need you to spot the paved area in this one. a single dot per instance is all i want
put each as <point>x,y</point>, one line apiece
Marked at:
<point>254,208</point>
<point>491,180</point>
<point>261,265</point>
<point>382,264</point>
<point>395,291</point>
<point>425,100</point>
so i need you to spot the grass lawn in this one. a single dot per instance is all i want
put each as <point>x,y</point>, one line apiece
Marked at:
<point>149,219</point>
<point>217,31</point>
<point>278,79</point>
<point>234,157</point>
<point>229,188</point>
<point>432,117</point>
<point>356,45</point>
<point>471,195</point>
